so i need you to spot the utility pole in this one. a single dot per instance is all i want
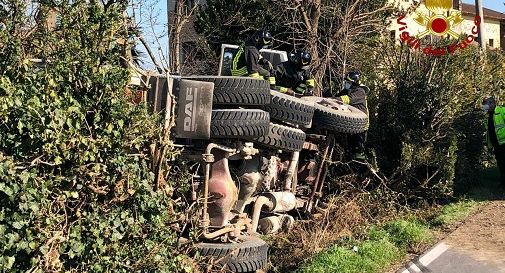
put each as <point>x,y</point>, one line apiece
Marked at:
<point>479,10</point>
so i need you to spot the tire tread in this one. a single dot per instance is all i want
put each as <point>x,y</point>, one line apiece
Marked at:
<point>290,109</point>
<point>239,122</point>
<point>240,91</point>
<point>283,138</point>
<point>351,122</point>
<point>252,254</point>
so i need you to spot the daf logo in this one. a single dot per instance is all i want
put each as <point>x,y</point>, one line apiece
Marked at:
<point>190,109</point>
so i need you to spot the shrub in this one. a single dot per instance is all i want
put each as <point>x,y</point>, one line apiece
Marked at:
<point>426,128</point>
<point>76,190</point>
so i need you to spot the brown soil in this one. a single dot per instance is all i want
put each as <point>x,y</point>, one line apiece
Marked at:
<point>482,236</point>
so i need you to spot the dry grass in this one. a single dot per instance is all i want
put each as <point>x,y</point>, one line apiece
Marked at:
<point>355,205</point>
<point>340,217</point>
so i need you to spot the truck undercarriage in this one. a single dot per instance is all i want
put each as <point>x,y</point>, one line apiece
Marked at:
<point>261,159</point>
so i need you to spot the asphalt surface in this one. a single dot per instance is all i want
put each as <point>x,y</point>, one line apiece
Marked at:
<point>477,246</point>
<point>447,259</point>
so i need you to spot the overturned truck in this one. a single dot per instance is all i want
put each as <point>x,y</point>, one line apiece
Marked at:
<point>263,157</point>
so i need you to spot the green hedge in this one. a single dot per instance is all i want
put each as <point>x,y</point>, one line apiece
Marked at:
<point>76,190</point>
<point>426,124</point>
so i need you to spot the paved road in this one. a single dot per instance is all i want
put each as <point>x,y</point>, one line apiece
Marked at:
<point>447,259</point>
<point>478,246</point>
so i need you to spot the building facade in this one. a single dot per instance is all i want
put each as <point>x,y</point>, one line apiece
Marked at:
<point>494,21</point>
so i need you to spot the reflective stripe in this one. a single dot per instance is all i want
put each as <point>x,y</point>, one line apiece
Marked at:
<point>237,57</point>
<point>255,75</point>
<point>271,80</point>
<point>235,71</point>
<point>302,85</point>
<point>239,72</point>
<point>345,99</point>
<point>300,90</point>
<point>283,89</point>
<point>311,83</point>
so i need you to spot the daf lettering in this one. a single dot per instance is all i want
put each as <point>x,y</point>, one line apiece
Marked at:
<point>188,109</point>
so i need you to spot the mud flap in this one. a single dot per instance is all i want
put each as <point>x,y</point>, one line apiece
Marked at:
<point>194,108</point>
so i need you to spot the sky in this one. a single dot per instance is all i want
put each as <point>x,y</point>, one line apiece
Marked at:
<point>490,4</point>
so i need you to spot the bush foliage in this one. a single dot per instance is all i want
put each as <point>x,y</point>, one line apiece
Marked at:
<point>426,125</point>
<point>76,190</point>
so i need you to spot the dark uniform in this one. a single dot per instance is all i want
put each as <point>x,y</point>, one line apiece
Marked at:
<point>295,74</point>
<point>248,60</point>
<point>356,96</point>
<point>289,76</point>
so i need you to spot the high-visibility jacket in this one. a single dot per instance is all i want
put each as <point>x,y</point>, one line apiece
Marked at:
<point>499,126</point>
<point>289,76</point>
<point>246,62</point>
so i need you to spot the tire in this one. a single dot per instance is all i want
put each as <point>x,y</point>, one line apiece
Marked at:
<point>283,138</point>
<point>290,109</point>
<point>247,256</point>
<point>240,91</point>
<point>238,123</point>
<point>334,116</point>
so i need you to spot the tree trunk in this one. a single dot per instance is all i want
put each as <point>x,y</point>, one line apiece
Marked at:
<point>311,15</point>
<point>46,18</point>
<point>179,22</point>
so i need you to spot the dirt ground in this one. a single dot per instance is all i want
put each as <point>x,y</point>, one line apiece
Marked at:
<point>482,236</point>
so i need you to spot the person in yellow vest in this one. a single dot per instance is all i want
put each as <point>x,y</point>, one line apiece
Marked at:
<point>496,132</point>
<point>248,61</point>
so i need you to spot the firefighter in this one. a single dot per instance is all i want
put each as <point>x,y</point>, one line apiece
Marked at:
<point>496,132</point>
<point>248,60</point>
<point>294,75</point>
<point>355,95</point>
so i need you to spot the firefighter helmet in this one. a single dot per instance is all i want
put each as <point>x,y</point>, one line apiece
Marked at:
<point>304,58</point>
<point>300,58</point>
<point>353,77</point>
<point>262,38</point>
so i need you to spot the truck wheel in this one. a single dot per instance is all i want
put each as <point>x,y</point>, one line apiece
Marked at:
<point>283,138</point>
<point>337,117</point>
<point>237,90</point>
<point>247,256</point>
<point>290,109</point>
<point>238,123</point>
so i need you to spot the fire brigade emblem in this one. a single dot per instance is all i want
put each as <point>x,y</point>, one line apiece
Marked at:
<point>437,23</point>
